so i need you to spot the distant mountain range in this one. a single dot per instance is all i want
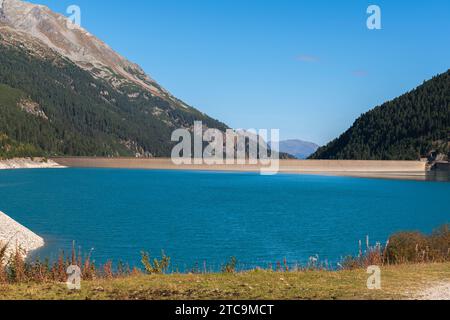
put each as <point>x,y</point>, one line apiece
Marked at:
<point>412,126</point>
<point>65,92</point>
<point>298,148</point>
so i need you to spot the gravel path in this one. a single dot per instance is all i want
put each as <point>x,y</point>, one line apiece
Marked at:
<point>16,235</point>
<point>437,291</point>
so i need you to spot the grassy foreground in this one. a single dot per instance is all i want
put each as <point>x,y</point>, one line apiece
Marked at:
<point>398,282</point>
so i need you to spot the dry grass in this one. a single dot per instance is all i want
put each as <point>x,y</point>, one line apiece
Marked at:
<point>398,282</point>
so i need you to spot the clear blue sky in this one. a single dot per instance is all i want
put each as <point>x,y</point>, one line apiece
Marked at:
<point>308,68</point>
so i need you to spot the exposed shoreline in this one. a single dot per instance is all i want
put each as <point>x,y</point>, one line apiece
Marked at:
<point>405,170</point>
<point>28,163</point>
<point>402,170</point>
<point>15,235</point>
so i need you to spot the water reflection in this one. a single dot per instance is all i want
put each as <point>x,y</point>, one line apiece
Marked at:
<point>438,175</point>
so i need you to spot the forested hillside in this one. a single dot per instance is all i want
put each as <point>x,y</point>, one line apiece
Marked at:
<point>406,128</point>
<point>49,106</point>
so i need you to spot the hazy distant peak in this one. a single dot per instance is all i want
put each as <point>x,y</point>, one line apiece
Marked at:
<point>297,142</point>
<point>298,148</point>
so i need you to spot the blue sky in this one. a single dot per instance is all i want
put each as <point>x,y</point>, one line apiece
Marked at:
<point>309,68</point>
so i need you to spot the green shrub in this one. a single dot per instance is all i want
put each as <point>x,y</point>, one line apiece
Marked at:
<point>158,266</point>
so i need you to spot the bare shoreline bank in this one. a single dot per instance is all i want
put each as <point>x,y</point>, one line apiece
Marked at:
<point>28,163</point>
<point>413,170</point>
<point>16,236</point>
<point>403,170</point>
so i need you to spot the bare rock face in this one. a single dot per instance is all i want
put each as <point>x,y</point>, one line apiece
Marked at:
<point>17,237</point>
<point>1,10</point>
<point>78,45</point>
<point>31,107</point>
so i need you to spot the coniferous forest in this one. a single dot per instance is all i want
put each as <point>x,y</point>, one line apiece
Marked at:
<point>52,107</point>
<point>406,128</point>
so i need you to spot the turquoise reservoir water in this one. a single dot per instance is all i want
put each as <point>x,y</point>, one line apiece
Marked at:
<point>199,217</point>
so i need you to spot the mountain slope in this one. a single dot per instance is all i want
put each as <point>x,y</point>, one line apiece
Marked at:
<point>78,45</point>
<point>54,105</point>
<point>405,128</point>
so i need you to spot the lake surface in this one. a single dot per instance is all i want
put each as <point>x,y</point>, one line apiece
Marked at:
<point>207,217</point>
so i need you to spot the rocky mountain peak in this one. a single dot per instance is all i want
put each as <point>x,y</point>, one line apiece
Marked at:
<point>77,45</point>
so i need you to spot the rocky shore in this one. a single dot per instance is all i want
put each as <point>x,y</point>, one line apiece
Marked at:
<point>28,163</point>
<point>14,235</point>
